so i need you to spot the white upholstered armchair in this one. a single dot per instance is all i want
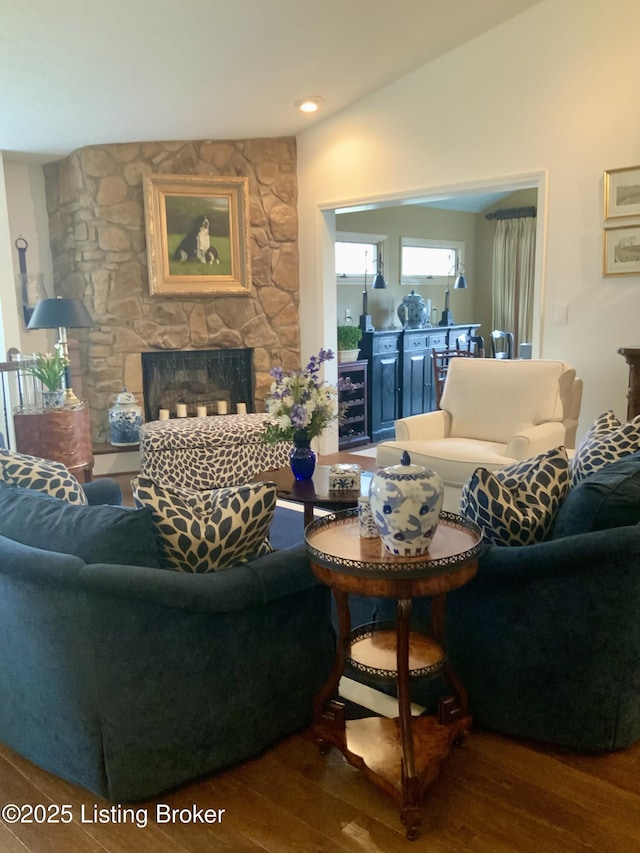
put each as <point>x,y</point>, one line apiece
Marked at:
<point>493,412</point>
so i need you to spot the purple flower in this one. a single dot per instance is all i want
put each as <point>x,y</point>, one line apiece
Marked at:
<point>299,416</point>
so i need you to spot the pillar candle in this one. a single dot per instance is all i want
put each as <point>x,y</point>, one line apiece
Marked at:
<point>201,411</point>
<point>222,407</point>
<point>163,415</point>
<point>241,408</point>
<point>181,410</point>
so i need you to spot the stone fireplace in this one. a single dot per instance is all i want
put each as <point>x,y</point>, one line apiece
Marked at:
<point>196,378</point>
<point>97,231</point>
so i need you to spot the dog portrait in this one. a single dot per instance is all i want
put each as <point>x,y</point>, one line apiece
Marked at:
<point>197,230</point>
<point>196,245</point>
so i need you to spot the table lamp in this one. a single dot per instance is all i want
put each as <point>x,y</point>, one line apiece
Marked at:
<point>62,314</point>
<point>459,284</point>
<point>378,284</point>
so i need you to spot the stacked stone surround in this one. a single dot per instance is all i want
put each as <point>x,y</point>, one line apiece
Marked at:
<point>97,232</point>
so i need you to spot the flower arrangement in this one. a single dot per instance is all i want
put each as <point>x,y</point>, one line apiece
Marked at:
<point>49,369</point>
<point>301,404</point>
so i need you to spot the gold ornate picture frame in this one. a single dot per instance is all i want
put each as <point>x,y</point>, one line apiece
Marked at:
<point>622,192</point>
<point>197,230</point>
<point>621,250</point>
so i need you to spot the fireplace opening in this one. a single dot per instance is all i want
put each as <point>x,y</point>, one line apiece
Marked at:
<point>196,378</point>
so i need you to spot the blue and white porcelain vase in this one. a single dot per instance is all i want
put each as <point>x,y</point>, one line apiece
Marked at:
<point>302,458</point>
<point>125,420</point>
<point>53,399</point>
<point>406,501</point>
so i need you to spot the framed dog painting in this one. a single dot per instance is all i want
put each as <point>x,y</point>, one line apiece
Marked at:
<point>197,235</point>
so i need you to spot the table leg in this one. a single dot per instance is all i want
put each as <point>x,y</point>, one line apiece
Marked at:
<point>308,514</point>
<point>328,713</point>
<point>459,707</point>
<point>410,813</point>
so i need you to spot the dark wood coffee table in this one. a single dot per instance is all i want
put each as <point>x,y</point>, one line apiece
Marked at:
<point>315,492</point>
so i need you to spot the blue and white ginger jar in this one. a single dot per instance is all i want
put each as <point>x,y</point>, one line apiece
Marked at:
<point>125,420</point>
<point>406,501</point>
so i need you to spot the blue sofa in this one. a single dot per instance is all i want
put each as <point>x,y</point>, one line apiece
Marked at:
<point>546,637</point>
<point>128,679</point>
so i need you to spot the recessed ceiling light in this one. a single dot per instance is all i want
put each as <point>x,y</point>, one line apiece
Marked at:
<point>310,104</point>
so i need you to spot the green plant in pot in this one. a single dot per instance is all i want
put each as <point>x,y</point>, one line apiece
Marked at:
<point>349,338</point>
<point>50,369</point>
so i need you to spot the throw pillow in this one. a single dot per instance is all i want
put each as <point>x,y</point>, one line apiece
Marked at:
<point>607,498</point>
<point>208,531</point>
<point>96,534</point>
<point>41,475</point>
<point>606,441</point>
<point>516,505</point>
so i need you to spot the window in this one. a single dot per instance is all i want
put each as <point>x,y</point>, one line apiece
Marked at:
<point>356,253</point>
<point>429,260</point>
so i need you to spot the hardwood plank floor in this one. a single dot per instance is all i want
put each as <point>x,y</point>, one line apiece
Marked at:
<point>493,794</point>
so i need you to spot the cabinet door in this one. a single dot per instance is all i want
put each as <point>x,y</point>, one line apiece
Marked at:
<point>416,384</point>
<point>384,396</point>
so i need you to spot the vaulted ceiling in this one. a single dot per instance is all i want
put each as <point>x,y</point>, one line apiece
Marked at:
<point>76,73</point>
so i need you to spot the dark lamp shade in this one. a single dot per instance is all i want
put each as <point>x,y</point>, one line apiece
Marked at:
<point>60,313</point>
<point>378,282</point>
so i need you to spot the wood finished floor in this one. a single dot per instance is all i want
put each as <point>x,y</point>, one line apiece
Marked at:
<point>493,794</point>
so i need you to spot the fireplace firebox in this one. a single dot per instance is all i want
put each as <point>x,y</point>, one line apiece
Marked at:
<point>194,378</point>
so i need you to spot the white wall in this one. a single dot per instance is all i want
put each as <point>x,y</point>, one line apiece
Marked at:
<point>550,92</point>
<point>9,331</point>
<point>27,209</point>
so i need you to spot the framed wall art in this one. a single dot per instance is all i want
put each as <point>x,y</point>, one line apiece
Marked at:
<point>621,250</point>
<point>197,230</point>
<point>622,192</point>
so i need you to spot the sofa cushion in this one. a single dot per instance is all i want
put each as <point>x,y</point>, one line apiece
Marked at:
<point>607,498</point>
<point>42,475</point>
<point>476,388</point>
<point>606,441</point>
<point>517,504</point>
<point>96,534</point>
<point>207,531</point>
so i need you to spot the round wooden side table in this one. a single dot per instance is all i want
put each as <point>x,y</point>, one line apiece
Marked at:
<point>63,435</point>
<point>401,755</point>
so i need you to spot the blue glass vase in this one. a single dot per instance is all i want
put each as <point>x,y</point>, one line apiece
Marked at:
<point>302,458</point>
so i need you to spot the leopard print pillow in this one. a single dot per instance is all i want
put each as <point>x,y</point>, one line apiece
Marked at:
<point>41,475</point>
<point>516,505</point>
<point>607,440</point>
<point>208,531</point>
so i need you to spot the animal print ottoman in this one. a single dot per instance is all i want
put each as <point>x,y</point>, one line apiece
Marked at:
<point>209,453</point>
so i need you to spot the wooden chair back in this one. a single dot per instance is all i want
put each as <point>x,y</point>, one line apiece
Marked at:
<point>471,343</point>
<point>501,344</point>
<point>441,359</point>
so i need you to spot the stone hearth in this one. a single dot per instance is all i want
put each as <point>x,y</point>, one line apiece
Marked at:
<point>97,229</point>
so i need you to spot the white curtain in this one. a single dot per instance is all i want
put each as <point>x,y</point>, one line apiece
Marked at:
<point>513,276</point>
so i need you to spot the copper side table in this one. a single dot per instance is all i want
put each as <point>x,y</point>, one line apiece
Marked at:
<point>63,435</point>
<point>401,755</point>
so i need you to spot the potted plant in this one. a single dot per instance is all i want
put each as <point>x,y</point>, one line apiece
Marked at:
<point>348,339</point>
<point>49,368</point>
